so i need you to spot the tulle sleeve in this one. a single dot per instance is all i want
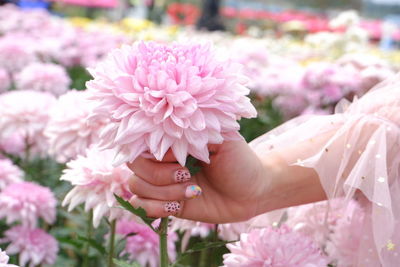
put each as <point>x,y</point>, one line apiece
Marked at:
<point>360,158</point>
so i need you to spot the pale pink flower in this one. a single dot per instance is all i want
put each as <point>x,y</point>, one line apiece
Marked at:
<point>26,202</point>
<point>274,247</point>
<point>318,220</point>
<point>95,182</point>
<point>143,247</point>
<point>9,173</point>
<point>34,246</point>
<point>346,236</point>
<point>5,81</point>
<point>4,260</point>
<point>194,228</point>
<point>15,52</point>
<point>168,96</point>
<point>46,77</point>
<point>68,130</point>
<point>26,113</point>
<point>13,144</point>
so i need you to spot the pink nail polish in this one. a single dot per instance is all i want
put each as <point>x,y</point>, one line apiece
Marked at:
<point>172,207</point>
<point>193,191</point>
<point>182,176</point>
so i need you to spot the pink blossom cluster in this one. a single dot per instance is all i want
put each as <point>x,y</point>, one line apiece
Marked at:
<point>9,173</point>
<point>143,245</point>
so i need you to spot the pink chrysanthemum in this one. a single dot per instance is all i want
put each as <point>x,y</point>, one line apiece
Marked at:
<point>9,173</point>
<point>194,228</point>
<point>47,77</point>
<point>317,220</point>
<point>68,130</point>
<point>4,260</point>
<point>26,202</point>
<point>13,144</point>
<point>34,246</point>
<point>95,182</point>
<point>168,96</point>
<point>346,236</point>
<point>143,247</point>
<point>5,81</point>
<point>15,52</point>
<point>274,247</point>
<point>26,113</point>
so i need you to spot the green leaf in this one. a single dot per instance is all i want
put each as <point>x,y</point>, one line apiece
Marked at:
<point>69,241</point>
<point>192,165</point>
<point>93,243</point>
<point>140,212</point>
<point>125,264</point>
<point>206,245</point>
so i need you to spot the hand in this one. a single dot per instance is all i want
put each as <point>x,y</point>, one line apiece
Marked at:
<point>232,185</point>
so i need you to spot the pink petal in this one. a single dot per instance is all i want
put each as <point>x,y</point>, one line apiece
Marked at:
<point>180,148</point>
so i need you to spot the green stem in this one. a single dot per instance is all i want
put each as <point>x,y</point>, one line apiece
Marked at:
<point>204,256</point>
<point>163,234</point>
<point>111,245</point>
<point>89,230</point>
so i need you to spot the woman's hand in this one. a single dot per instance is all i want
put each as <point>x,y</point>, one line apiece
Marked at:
<point>228,189</point>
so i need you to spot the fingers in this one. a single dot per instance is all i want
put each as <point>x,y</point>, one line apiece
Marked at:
<point>159,173</point>
<point>177,191</point>
<point>157,208</point>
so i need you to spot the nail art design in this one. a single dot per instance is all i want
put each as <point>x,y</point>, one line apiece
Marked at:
<point>193,191</point>
<point>172,207</point>
<point>182,176</point>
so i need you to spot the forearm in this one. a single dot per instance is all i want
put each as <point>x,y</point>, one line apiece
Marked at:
<point>287,184</point>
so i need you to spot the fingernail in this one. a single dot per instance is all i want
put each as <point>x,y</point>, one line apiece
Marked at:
<point>182,176</point>
<point>172,207</point>
<point>193,191</point>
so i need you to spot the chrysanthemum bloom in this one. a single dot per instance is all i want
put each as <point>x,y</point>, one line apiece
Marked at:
<point>34,246</point>
<point>5,81</point>
<point>9,173</point>
<point>13,144</point>
<point>26,113</point>
<point>26,202</point>
<point>274,247</point>
<point>346,236</point>
<point>4,260</point>
<point>15,52</point>
<point>47,77</point>
<point>68,130</point>
<point>317,220</point>
<point>143,247</point>
<point>95,182</point>
<point>168,96</point>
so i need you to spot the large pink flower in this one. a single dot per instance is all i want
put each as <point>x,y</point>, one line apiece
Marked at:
<point>143,246</point>
<point>5,81</point>
<point>47,77</point>
<point>68,130</point>
<point>274,247</point>
<point>26,202</point>
<point>9,173</point>
<point>34,246</point>
<point>95,182</point>
<point>168,96</point>
<point>26,113</point>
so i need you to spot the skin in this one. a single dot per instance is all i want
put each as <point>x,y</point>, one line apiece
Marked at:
<point>236,185</point>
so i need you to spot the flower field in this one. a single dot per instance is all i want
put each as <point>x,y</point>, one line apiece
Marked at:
<point>57,188</point>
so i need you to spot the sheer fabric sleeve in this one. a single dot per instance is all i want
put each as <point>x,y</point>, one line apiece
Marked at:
<point>359,159</point>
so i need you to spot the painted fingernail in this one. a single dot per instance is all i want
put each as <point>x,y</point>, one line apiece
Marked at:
<point>182,176</point>
<point>172,207</point>
<point>193,191</point>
